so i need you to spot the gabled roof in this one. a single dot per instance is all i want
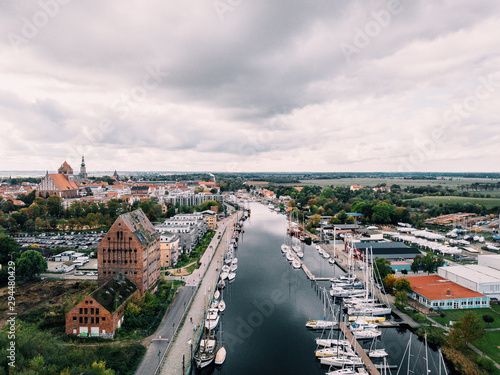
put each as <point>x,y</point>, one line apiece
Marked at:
<point>114,293</point>
<point>140,226</point>
<point>62,183</point>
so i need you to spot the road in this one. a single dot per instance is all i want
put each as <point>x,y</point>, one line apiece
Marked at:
<point>180,305</point>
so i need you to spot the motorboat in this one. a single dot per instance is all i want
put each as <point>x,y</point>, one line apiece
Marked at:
<point>212,319</point>
<point>377,353</point>
<point>332,342</point>
<point>295,263</point>
<point>231,276</point>
<point>341,361</point>
<point>335,351</point>
<point>222,305</point>
<point>366,334</point>
<point>224,275</point>
<point>320,324</point>
<point>220,357</point>
<point>300,254</point>
<point>331,261</point>
<point>290,256</point>
<point>233,267</point>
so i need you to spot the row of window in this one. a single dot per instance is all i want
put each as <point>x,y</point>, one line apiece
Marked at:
<point>462,303</point>
<point>114,272</point>
<point>113,250</point>
<point>85,319</point>
<point>116,261</point>
<point>85,311</point>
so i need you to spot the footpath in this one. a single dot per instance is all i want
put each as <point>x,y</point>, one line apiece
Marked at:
<point>164,345</point>
<point>178,357</point>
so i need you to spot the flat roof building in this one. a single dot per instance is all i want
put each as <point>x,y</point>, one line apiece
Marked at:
<point>482,279</point>
<point>436,292</point>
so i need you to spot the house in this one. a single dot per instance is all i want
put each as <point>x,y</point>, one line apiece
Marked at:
<point>65,267</point>
<point>387,250</point>
<point>131,247</point>
<point>101,312</point>
<point>356,187</point>
<point>382,189</point>
<point>211,218</point>
<point>436,292</point>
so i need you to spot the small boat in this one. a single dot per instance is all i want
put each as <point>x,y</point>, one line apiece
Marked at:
<point>290,256</point>
<point>222,305</point>
<point>366,334</point>
<point>224,275</point>
<point>341,361</point>
<point>332,342</point>
<point>300,254</point>
<point>212,319</point>
<point>326,255</point>
<point>221,284</point>
<point>285,248</point>
<point>377,353</point>
<point>331,261</point>
<point>220,357</point>
<point>231,276</point>
<point>342,371</point>
<point>367,318</point>
<point>215,305</point>
<point>225,268</point>
<point>320,324</point>
<point>335,351</point>
<point>233,267</point>
<point>295,263</point>
<point>216,294</point>
<point>234,261</point>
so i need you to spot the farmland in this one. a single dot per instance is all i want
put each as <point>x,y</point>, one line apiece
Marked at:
<point>436,200</point>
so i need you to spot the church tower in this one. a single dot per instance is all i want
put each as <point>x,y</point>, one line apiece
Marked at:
<point>83,170</point>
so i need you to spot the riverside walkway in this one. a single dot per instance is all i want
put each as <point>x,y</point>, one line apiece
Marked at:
<point>169,345</point>
<point>370,367</point>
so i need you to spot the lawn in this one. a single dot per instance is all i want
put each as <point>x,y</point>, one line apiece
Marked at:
<point>489,344</point>
<point>455,315</point>
<point>486,202</point>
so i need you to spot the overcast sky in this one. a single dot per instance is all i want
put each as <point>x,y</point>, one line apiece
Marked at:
<point>250,85</point>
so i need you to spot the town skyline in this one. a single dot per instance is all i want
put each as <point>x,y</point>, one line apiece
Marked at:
<point>232,86</point>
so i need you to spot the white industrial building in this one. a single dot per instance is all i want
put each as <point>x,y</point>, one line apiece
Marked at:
<point>492,261</point>
<point>482,279</point>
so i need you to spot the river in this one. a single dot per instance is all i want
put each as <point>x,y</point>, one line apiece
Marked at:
<point>269,302</point>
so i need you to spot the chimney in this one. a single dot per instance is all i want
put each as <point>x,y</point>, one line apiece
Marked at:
<point>448,292</point>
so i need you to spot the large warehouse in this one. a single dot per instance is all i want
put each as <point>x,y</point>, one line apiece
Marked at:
<point>482,279</point>
<point>387,250</point>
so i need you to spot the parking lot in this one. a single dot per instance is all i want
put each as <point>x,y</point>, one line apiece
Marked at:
<point>78,241</point>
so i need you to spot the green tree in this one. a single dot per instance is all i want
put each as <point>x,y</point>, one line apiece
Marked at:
<point>416,263</point>
<point>54,205</point>
<point>30,264</point>
<point>488,319</point>
<point>8,247</point>
<point>315,220</point>
<point>466,330</point>
<point>342,216</point>
<point>401,297</point>
<point>384,213</point>
<point>383,267</point>
<point>402,285</point>
<point>430,262</point>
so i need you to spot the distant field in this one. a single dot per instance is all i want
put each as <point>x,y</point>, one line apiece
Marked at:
<point>257,183</point>
<point>486,202</point>
<point>399,181</point>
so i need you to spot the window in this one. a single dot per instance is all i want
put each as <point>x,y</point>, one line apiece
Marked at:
<point>81,311</point>
<point>97,320</point>
<point>74,318</point>
<point>97,311</point>
<point>103,318</point>
<point>85,311</point>
<point>92,310</point>
<point>470,303</point>
<point>449,303</point>
<point>86,302</point>
<point>80,320</point>
<point>92,320</point>
<point>85,320</point>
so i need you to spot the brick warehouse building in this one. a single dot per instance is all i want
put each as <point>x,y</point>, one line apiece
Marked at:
<point>101,312</point>
<point>131,247</point>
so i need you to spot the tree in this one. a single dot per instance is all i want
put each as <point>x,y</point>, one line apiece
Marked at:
<point>384,213</point>
<point>315,220</point>
<point>416,264</point>
<point>466,330</point>
<point>401,297</point>
<point>389,282</point>
<point>8,247</point>
<point>342,216</point>
<point>382,266</point>
<point>54,205</point>
<point>430,262</point>
<point>30,264</point>
<point>402,285</point>
<point>488,319</point>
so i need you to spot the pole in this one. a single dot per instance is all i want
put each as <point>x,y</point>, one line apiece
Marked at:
<point>183,364</point>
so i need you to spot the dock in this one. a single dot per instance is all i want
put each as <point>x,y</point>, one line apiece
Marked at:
<point>370,367</point>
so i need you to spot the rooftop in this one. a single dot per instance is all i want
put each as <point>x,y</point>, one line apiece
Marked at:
<point>114,293</point>
<point>435,288</point>
<point>479,274</point>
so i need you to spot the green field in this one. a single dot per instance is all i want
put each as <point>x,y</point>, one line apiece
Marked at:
<point>486,202</point>
<point>366,181</point>
<point>455,315</point>
<point>489,344</point>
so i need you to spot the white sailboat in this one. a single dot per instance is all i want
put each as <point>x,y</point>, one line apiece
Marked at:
<point>296,264</point>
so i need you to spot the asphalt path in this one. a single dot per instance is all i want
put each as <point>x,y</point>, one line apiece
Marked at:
<point>163,336</point>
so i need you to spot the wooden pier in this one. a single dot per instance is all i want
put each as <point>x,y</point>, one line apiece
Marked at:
<point>370,367</point>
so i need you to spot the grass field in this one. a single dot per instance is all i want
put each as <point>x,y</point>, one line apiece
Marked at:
<point>455,315</point>
<point>486,202</point>
<point>489,344</point>
<point>365,181</point>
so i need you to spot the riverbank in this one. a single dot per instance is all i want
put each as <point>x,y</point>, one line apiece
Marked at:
<point>178,358</point>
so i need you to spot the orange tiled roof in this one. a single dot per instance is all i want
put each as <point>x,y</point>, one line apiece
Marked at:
<point>61,182</point>
<point>435,287</point>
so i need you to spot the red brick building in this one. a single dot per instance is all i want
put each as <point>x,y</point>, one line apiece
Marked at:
<point>101,312</point>
<point>61,183</point>
<point>131,247</point>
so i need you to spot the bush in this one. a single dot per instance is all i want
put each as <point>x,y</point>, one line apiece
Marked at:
<point>419,318</point>
<point>442,314</point>
<point>486,364</point>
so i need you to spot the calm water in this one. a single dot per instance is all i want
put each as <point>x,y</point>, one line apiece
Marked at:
<point>269,302</point>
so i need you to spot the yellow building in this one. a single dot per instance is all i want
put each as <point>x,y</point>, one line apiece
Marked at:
<point>211,218</point>
<point>169,249</point>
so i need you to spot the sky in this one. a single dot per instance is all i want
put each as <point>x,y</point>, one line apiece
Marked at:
<point>250,86</point>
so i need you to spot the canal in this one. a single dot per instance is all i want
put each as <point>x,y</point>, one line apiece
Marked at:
<point>269,302</point>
